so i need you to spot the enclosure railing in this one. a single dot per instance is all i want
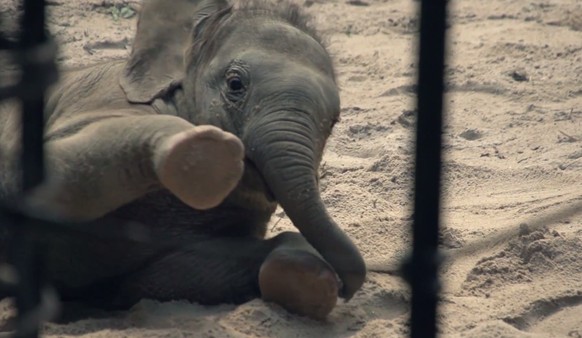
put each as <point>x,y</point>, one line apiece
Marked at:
<point>421,270</point>
<point>35,54</point>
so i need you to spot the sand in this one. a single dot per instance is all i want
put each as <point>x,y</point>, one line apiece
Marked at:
<point>513,156</point>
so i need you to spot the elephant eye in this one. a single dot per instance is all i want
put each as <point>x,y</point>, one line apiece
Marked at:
<point>234,83</point>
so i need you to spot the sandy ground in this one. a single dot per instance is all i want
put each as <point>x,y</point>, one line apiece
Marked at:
<point>513,155</point>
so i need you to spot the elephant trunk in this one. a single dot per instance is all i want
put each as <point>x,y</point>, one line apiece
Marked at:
<point>284,149</point>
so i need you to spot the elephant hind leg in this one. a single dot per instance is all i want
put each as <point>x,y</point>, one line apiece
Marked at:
<point>295,276</point>
<point>211,271</point>
<point>285,270</point>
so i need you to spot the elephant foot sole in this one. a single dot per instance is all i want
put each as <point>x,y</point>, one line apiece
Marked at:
<point>201,166</point>
<point>300,282</point>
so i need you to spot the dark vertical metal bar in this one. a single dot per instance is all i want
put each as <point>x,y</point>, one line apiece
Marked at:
<point>28,290</point>
<point>33,35</point>
<point>24,253</point>
<point>423,267</point>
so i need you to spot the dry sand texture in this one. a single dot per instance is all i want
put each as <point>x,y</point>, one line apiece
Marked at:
<point>513,154</point>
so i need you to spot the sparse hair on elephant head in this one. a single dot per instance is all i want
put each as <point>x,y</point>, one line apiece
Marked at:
<point>206,29</point>
<point>260,71</point>
<point>162,54</point>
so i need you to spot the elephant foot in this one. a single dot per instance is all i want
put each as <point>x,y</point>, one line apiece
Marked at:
<point>201,166</point>
<point>299,281</point>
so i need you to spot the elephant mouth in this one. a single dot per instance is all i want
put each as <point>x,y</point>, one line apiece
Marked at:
<point>257,179</point>
<point>254,184</point>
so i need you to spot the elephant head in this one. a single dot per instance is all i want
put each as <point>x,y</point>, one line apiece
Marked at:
<point>260,72</point>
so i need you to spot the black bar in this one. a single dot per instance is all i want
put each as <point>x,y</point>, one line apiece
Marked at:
<point>24,253</point>
<point>423,267</point>
<point>8,92</point>
<point>28,290</point>
<point>32,141</point>
<point>6,44</point>
<point>33,36</point>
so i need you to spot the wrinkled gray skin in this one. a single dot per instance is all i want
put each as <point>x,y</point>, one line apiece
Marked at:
<point>104,127</point>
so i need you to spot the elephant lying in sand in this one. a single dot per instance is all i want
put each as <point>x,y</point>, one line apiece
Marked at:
<point>219,114</point>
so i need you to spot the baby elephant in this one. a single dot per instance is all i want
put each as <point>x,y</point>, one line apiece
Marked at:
<point>220,113</point>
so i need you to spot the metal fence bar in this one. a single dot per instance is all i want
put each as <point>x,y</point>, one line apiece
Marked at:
<point>422,268</point>
<point>35,55</point>
<point>32,39</point>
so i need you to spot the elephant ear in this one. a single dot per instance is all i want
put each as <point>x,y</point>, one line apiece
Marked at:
<point>156,62</point>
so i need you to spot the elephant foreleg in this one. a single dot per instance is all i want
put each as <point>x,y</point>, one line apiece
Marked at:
<point>96,167</point>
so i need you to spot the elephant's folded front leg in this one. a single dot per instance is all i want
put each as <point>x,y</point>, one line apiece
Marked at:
<point>94,168</point>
